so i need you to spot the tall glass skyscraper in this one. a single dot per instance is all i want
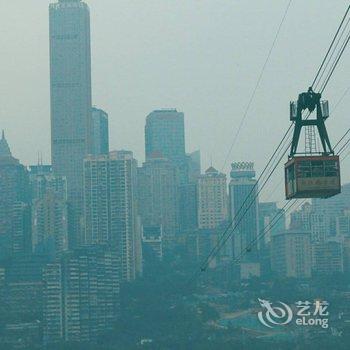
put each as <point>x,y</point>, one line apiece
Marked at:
<point>70,70</point>
<point>165,134</point>
<point>243,201</point>
<point>100,139</point>
<point>165,138</point>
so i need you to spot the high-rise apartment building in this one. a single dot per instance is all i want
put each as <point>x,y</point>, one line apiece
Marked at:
<point>307,219</point>
<point>212,199</point>
<point>49,213</point>
<point>188,197</point>
<point>53,306</point>
<point>70,71</point>
<point>188,208</point>
<point>21,300</point>
<point>15,229</point>
<point>327,257</point>
<point>158,196</point>
<point>81,295</point>
<point>291,254</point>
<point>243,203</point>
<point>331,208</point>
<point>194,166</point>
<point>271,222</point>
<point>97,204</point>
<point>343,224</point>
<point>100,136</point>
<point>111,207</point>
<point>152,246</point>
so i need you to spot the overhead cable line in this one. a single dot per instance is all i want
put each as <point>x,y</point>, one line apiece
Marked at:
<point>335,63</point>
<point>278,217</point>
<point>256,86</point>
<point>223,239</point>
<point>330,47</point>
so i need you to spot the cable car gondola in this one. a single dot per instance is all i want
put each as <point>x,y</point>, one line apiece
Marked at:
<point>311,174</point>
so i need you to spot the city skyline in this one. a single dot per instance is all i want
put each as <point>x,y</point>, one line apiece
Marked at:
<point>217,100</point>
<point>106,247</point>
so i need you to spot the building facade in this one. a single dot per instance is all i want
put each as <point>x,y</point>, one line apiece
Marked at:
<point>212,199</point>
<point>291,254</point>
<point>244,204</point>
<point>158,196</point>
<point>328,257</point>
<point>15,229</point>
<point>49,214</point>
<point>70,85</point>
<point>165,134</point>
<point>152,244</point>
<point>271,221</point>
<point>194,166</point>
<point>111,215</point>
<point>81,295</point>
<point>165,138</point>
<point>100,133</point>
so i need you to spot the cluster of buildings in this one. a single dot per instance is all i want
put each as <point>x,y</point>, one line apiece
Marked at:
<point>72,232</point>
<point>318,240</point>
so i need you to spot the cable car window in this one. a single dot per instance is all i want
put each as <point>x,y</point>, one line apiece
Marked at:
<point>331,168</point>
<point>317,168</point>
<point>290,173</point>
<point>304,169</point>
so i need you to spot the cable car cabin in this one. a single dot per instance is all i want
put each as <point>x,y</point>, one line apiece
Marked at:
<point>313,174</point>
<point>312,177</point>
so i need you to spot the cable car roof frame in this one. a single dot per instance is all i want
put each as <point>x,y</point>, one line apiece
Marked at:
<point>309,100</point>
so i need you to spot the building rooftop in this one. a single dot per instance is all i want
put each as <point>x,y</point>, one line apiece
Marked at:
<point>211,170</point>
<point>4,147</point>
<point>242,170</point>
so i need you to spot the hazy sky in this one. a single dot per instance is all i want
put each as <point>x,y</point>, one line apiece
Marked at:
<point>199,56</point>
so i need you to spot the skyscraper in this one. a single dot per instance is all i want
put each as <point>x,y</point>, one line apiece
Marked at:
<point>100,138</point>
<point>243,204</point>
<point>111,207</point>
<point>188,209</point>
<point>212,199</point>
<point>165,138</point>
<point>81,295</point>
<point>194,165</point>
<point>188,194</point>
<point>49,213</point>
<point>70,71</point>
<point>15,233</point>
<point>165,134</point>
<point>152,247</point>
<point>22,299</point>
<point>332,207</point>
<point>328,256</point>
<point>158,196</point>
<point>271,222</point>
<point>291,254</point>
